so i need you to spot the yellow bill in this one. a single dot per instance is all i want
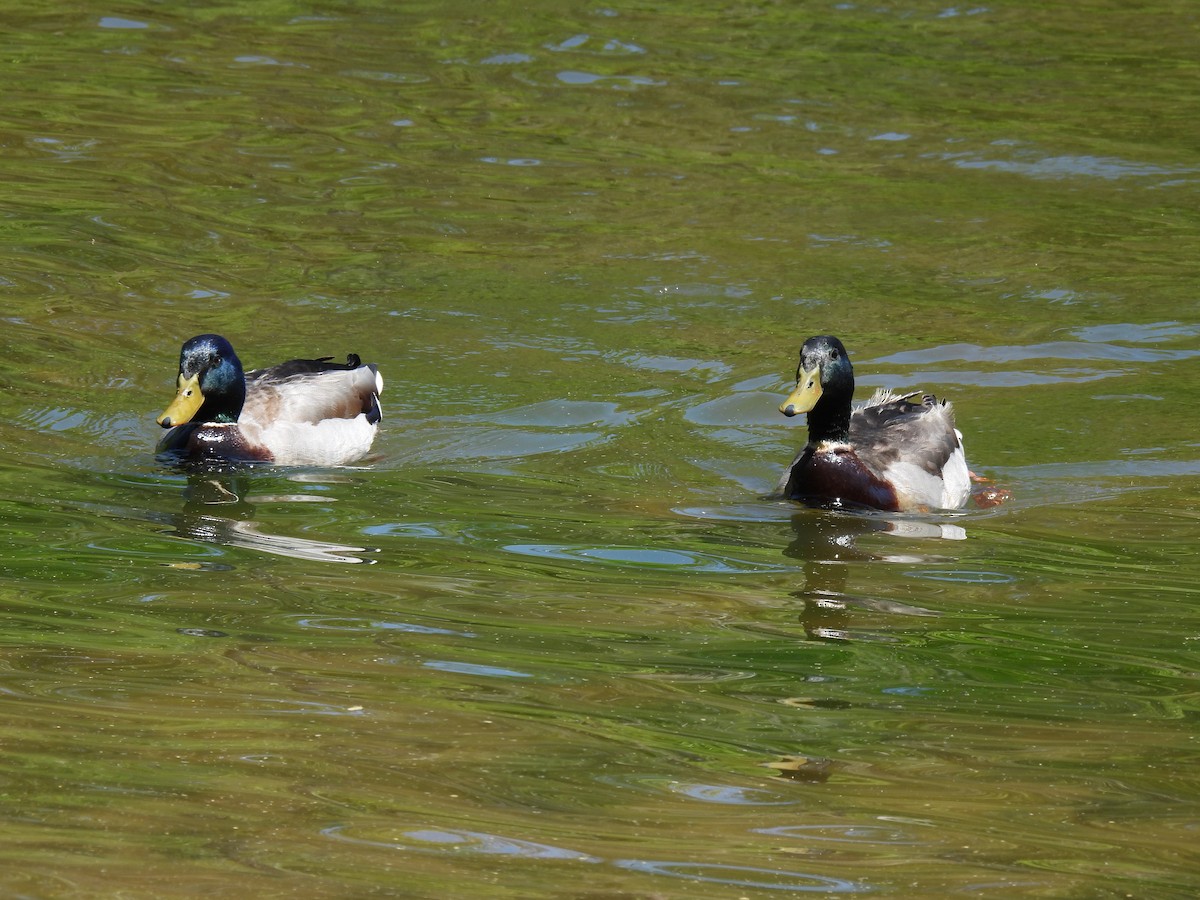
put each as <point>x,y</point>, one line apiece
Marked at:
<point>806,394</point>
<point>187,401</point>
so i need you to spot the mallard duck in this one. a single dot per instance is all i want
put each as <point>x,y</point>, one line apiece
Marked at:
<point>890,453</point>
<point>301,412</point>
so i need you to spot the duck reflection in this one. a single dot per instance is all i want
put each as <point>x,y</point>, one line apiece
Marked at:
<point>827,542</point>
<point>216,511</point>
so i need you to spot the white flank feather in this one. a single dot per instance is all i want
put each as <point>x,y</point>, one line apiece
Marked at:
<point>918,489</point>
<point>332,442</point>
<point>307,424</point>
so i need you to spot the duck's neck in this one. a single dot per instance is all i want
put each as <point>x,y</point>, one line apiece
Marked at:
<point>829,420</point>
<point>225,396</point>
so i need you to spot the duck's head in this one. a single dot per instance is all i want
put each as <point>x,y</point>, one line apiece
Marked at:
<point>212,386</point>
<point>824,372</point>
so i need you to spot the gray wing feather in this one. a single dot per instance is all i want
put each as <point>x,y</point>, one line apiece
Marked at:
<point>888,429</point>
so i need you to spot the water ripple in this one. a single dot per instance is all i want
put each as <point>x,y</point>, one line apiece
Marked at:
<point>347,623</point>
<point>1035,166</point>
<point>644,557</point>
<point>845,834</point>
<point>432,839</point>
<point>621,81</point>
<point>1132,333</point>
<point>405,529</point>
<point>745,876</point>
<point>963,576</point>
<point>993,379</point>
<point>710,369</point>
<point>292,707</point>
<point>724,794</point>
<point>462,668</point>
<point>561,414</point>
<point>1079,350</point>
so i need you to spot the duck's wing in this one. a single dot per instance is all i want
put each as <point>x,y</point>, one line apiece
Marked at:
<point>311,391</point>
<point>913,446</point>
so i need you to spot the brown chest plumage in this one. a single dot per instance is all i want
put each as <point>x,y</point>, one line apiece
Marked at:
<point>833,475</point>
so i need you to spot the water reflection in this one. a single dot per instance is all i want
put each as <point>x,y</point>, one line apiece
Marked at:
<point>828,544</point>
<point>216,511</point>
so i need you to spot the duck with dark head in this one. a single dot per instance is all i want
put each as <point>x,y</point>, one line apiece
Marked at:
<point>891,453</point>
<point>301,412</point>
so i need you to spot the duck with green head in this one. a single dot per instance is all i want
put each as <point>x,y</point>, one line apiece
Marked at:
<point>889,454</point>
<point>301,412</point>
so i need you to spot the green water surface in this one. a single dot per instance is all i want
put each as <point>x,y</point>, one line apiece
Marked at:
<point>551,640</point>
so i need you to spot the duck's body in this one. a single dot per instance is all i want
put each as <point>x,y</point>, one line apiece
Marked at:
<point>889,454</point>
<point>302,412</point>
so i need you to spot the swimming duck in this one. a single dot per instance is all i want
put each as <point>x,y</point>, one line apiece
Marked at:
<point>890,453</point>
<point>301,412</point>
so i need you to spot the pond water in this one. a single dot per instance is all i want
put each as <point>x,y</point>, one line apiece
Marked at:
<point>551,640</point>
